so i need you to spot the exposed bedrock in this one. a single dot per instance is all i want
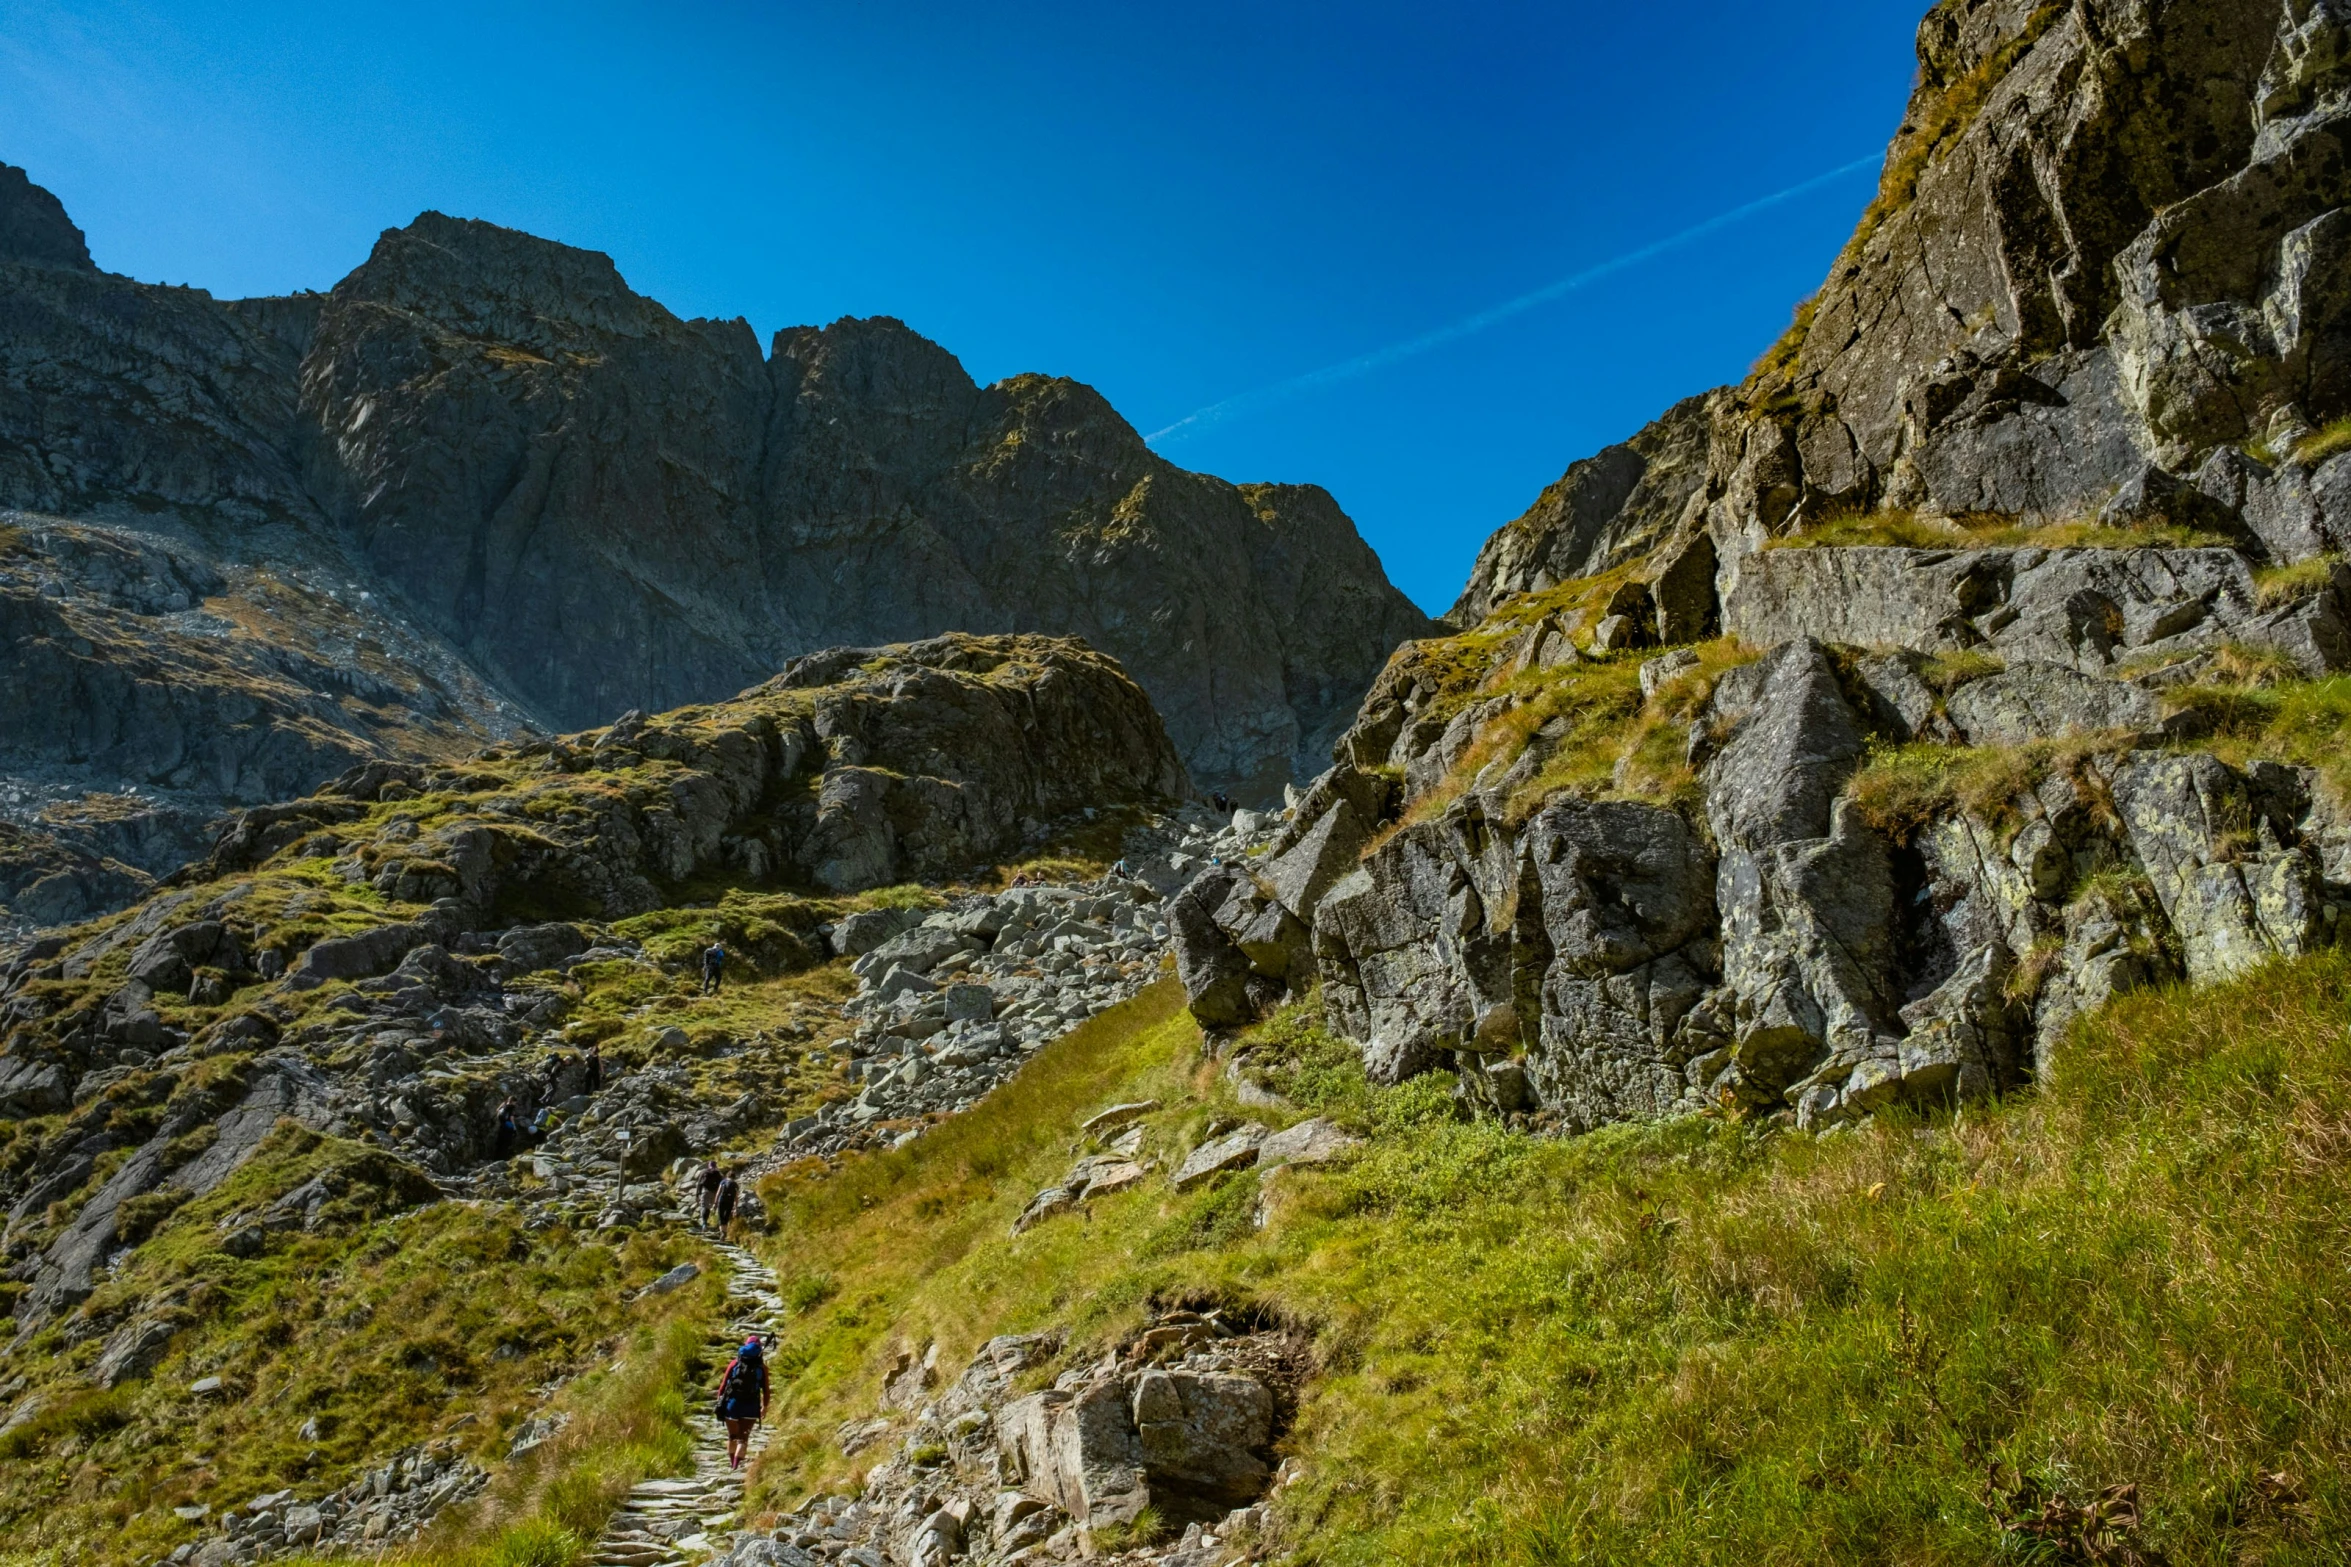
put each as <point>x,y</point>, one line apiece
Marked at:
<point>1594,960</point>
<point>2106,277</point>
<point>2091,609</point>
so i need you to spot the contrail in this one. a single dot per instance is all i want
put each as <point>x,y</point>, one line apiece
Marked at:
<point>1364,364</point>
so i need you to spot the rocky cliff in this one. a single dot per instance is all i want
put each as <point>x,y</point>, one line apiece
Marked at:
<point>528,495</point>
<point>2098,281</point>
<point>1843,736</point>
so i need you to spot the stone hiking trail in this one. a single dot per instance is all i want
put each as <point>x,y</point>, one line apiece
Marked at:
<point>667,1522</point>
<point>1048,957</point>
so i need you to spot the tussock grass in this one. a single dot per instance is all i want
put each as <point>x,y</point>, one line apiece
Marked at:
<point>2323,443</point>
<point>1693,1342</point>
<point>1780,358</point>
<point>628,1423</point>
<point>2251,714</point>
<point>1901,788</point>
<point>1602,738</point>
<point>1902,529</point>
<point>2276,586</point>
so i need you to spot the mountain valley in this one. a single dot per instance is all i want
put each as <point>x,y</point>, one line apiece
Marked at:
<point>1804,1021</point>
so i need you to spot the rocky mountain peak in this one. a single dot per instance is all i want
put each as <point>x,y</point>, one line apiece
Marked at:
<point>34,227</point>
<point>497,283</point>
<point>550,500</point>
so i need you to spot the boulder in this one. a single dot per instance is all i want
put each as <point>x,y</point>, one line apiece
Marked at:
<point>1314,1141</point>
<point>1327,850</point>
<point>969,1003</point>
<point>918,951</point>
<point>2029,701</point>
<point>1236,1150</point>
<point>30,1086</point>
<point>1118,1115</point>
<point>358,956</point>
<point>1896,701</point>
<point>858,934</point>
<point>526,949</point>
<point>1077,1450</point>
<point>1200,1434</point>
<point>132,1350</point>
<point>1212,967</point>
<point>1662,671</point>
<point>1683,590</point>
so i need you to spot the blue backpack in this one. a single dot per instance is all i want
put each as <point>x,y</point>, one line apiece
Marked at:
<point>739,1390</point>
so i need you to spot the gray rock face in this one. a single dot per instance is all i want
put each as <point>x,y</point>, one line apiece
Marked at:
<point>2103,283</point>
<point>2049,702</point>
<point>2104,276</point>
<point>2088,609</point>
<point>1806,891</point>
<point>1411,964</point>
<point>1605,509</point>
<point>491,443</point>
<point>1606,960</point>
<point>1956,355</point>
<point>154,685</point>
<point>285,1087</point>
<point>1627,913</point>
<point>2233,894</point>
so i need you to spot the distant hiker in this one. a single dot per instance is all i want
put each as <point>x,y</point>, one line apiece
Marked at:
<point>594,1062</point>
<point>714,963</point>
<point>727,1192</point>
<point>742,1399</point>
<point>1224,806</point>
<point>706,1187</point>
<point>509,1126</point>
<point>551,1070</point>
<point>543,1122</point>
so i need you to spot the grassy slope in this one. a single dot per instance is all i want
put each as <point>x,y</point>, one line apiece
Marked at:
<point>437,1323</point>
<point>1690,1343</point>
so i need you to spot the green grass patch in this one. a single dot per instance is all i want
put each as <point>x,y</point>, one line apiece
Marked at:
<point>1695,1342</point>
<point>1897,528</point>
<point>2323,443</point>
<point>1601,738</point>
<point>2277,586</point>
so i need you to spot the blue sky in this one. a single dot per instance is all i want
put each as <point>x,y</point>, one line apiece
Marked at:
<point>1180,205</point>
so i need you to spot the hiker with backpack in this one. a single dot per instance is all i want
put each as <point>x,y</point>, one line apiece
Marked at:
<point>706,1186</point>
<point>742,1399</point>
<point>714,963</point>
<point>594,1062</point>
<point>509,1126</point>
<point>728,1191</point>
